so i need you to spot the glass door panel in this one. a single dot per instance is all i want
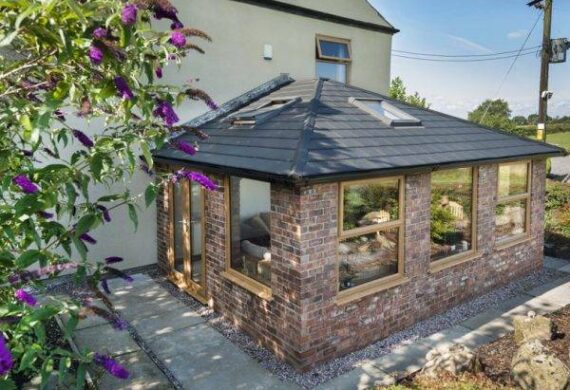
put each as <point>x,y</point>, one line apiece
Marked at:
<point>179,226</point>
<point>196,211</point>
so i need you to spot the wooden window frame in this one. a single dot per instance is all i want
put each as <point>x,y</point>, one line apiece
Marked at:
<point>460,258</point>
<point>386,282</point>
<point>335,60</point>
<point>259,289</point>
<point>184,280</point>
<point>522,237</point>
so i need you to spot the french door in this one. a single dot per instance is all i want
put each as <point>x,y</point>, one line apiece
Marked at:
<point>186,254</point>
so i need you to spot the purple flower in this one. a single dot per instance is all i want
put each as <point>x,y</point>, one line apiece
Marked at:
<point>28,153</point>
<point>185,147</point>
<point>6,359</point>
<point>105,211</point>
<point>95,55</point>
<point>45,215</point>
<point>100,33</point>
<point>83,138</point>
<point>25,184</point>
<point>146,169</point>
<point>212,104</point>
<point>59,114</point>
<point>165,111</point>
<point>120,274</point>
<point>123,88</point>
<point>176,25</point>
<point>25,297</point>
<point>111,366</point>
<point>113,259</point>
<point>26,276</point>
<point>162,13</point>
<point>158,72</point>
<point>178,39</point>
<point>105,286</point>
<point>129,14</point>
<point>85,237</point>
<point>198,177</point>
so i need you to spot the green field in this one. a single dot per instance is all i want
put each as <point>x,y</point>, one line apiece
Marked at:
<point>560,139</point>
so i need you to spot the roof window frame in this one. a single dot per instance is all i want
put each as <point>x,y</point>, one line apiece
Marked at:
<point>241,118</point>
<point>406,120</point>
<point>322,57</point>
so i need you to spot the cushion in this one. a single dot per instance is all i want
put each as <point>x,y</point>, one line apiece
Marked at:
<point>259,225</point>
<point>253,250</point>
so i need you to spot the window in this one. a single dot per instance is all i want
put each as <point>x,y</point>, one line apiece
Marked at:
<point>250,246</point>
<point>513,204</point>
<point>333,58</point>
<point>453,209</point>
<point>386,112</point>
<point>371,233</point>
<point>263,112</point>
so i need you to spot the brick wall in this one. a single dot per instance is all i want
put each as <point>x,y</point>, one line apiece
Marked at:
<point>303,323</point>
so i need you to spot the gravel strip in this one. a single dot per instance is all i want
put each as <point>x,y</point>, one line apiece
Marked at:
<point>334,368</point>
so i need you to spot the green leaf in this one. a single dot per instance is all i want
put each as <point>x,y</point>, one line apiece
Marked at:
<point>28,359</point>
<point>28,258</point>
<point>70,326</point>
<point>76,10</point>
<point>7,40</point>
<point>146,154</point>
<point>64,365</point>
<point>85,224</point>
<point>150,194</point>
<point>80,377</point>
<point>133,216</point>
<point>6,259</point>
<point>7,384</point>
<point>80,246</point>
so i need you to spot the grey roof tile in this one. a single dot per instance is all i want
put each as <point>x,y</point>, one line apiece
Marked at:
<point>324,135</point>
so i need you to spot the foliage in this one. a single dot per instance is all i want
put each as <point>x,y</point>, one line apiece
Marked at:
<point>398,91</point>
<point>64,61</point>
<point>442,222</point>
<point>493,113</point>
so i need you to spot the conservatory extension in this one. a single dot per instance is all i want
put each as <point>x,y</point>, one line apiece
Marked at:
<point>342,216</point>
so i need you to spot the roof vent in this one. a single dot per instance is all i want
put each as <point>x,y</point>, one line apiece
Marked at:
<point>262,113</point>
<point>386,112</point>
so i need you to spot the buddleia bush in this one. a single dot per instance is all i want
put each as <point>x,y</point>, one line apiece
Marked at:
<point>96,61</point>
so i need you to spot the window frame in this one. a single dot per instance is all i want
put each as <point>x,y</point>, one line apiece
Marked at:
<point>406,119</point>
<point>235,277</point>
<point>460,258</point>
<point>386,282</point>
<point>334,60</point>
<point>516,239</point>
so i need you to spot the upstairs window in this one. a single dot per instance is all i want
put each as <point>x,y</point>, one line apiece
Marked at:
<point>333,58</point>
<point>386,112</point>
<point>262,113</point>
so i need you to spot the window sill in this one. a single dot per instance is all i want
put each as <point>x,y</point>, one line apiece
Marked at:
<point>248,284</point>
<point>512,241</point>
<point>452,261</point>
<point>364,290</point>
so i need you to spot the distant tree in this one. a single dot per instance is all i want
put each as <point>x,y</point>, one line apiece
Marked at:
<point>493,113</point>
<point>398,91</point>
<point>520,120</point>
<point>532,119</point>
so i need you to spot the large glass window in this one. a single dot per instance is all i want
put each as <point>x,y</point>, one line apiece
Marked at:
<point>250,208</point>
<point>333,58</point>
<point>452,213</point>
<point>371,231</point>
<point>513,203</point>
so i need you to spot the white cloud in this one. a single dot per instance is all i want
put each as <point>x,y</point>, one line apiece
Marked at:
<point>468,44</point>
<point>517,34</point>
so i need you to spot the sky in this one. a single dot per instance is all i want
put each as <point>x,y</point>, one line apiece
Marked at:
<point>474,27</point>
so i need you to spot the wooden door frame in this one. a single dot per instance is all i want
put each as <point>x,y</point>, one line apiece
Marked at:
<point>184,281</point>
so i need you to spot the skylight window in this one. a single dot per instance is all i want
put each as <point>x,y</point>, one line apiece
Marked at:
<point>262,113</point>
<point>386,112</point>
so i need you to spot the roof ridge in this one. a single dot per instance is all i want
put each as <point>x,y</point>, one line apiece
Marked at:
<point>302,152</point>
<point>238,102</point>
<point>500,131</point>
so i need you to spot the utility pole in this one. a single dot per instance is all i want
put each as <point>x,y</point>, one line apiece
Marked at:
<point>544,94</point>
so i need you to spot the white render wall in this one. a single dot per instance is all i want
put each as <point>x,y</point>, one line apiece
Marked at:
<point>233,64</point>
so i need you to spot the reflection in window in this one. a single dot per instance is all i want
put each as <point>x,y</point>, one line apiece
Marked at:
<point>511,215</point>
<point>333,57</point>
<point>332,71</point>
<point>370,238</point>
<point>452,226</point>
<point>250,228</point>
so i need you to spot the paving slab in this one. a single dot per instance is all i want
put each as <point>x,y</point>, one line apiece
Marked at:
<point>554,263</point>
<point>558,296</point>
<point>105,339</point>
<point>524,303</point>
<point>138,279</point>
<point>140,304</point>
<point>565,269</point>
<point>363,377</point>
<point>161,324</point>
<point>144,374</point>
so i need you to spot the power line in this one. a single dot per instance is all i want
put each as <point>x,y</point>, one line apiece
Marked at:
<point>463,55</point>
<point>512,66</point>
<point>466,60</point>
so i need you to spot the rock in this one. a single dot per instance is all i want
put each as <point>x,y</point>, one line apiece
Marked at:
<point>454,359</point>
<point>534,368</point>
<point>532,327</point>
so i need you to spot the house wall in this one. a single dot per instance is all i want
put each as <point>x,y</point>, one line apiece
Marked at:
<point>303,323</point>
<point>234,64</point>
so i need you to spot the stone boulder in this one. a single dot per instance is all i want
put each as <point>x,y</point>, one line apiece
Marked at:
<point>454,359</point>
<point>534,368</point>
<point>532,327</point>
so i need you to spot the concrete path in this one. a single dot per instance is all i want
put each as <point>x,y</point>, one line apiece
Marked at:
<point>561,167</point>
<point>481,329</point>
<point>169,345</point>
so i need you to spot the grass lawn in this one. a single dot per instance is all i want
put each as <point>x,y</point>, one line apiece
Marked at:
<point>560,139</point>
